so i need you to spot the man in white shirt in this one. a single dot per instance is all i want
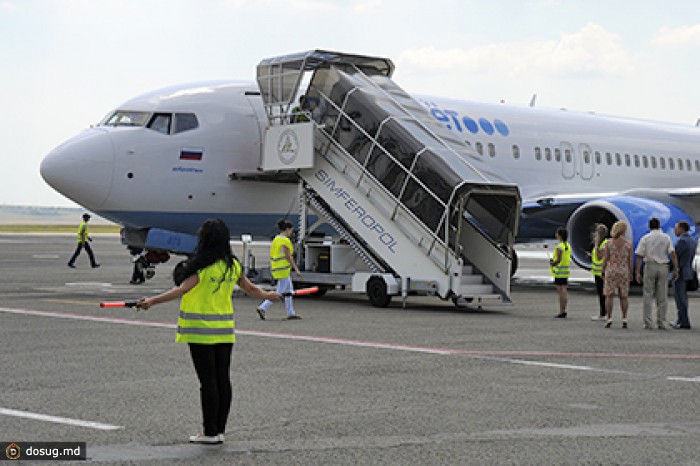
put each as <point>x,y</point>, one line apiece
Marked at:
<point>655,248</point>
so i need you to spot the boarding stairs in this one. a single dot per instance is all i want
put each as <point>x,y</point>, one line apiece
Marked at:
<point>410,198</point>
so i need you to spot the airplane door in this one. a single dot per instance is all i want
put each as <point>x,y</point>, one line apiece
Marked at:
<point>587,162</point>
<point>568,160</point>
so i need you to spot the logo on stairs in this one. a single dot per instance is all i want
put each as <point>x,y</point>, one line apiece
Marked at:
<point>288,147</point>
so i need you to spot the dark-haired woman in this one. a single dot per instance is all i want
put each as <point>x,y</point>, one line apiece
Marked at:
<point>559,268</point>
<point>206,283</point>
<point>281,265</point>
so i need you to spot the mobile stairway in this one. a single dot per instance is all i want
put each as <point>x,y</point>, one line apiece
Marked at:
<point>413,204</point>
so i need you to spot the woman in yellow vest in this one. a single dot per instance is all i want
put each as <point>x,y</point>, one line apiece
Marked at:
<point>559,268</point>
<point>281,264</point>
<point>597,256</point>
<point>206,283</point>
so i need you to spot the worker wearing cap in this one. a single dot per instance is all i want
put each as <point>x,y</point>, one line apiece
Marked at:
<point>83,242</point>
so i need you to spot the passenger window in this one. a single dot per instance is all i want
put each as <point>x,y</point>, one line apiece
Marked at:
<point>557,155</point>
<point>185,122</point>
<point>645,161</point>
<point>598,158</point>
<point>662,163</point>
<point>697,165</point>
<point>480,148</point>
<point>538,153</point>
<point>516,152</point>
<point>688,165</point>
<point>653,161</point>
<point>608,158</point>
<point>636,160</point>
<point>618,159</point>
<point>492,149</point>
<point>627,160</point>
<point>671,164</point>
<point>547,154</point>
<point>160,122</point>
<point>567,155</point>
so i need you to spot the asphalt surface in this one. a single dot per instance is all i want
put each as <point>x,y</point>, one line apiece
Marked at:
<point>348,384</point>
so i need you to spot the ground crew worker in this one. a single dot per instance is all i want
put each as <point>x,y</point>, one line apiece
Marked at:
<point>206,283</point>
<point>281,264</point>
<point>559,268</point>
<point>299,112</point>
<point>83,242</point>
<point>597,256</point>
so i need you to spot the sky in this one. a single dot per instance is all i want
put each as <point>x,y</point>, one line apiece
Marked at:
<point>67,63</point>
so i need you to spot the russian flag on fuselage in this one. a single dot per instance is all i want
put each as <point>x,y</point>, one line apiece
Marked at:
<point>191,153</point>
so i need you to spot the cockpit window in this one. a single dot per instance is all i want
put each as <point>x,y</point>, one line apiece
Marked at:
<point>160,122</point>
<point>126,118</point>
<point>185,122</point>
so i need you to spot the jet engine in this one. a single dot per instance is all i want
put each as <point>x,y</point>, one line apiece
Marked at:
<point>635,211</point>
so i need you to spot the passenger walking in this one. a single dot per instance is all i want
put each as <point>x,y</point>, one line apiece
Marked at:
<point>281,264</point>
<point>685,253</point>
<point>206,283</point>
<point>655,248</point>
<point>559,268</point>
<point>617,271</point>
<point>83,242</point>
<point>597,255</point>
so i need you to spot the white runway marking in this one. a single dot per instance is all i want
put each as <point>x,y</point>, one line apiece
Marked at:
<point>510,357</point>
<point>685,379</point>
<point>58,420</point>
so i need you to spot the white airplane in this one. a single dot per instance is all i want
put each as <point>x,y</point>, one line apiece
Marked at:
<point>163,162</point>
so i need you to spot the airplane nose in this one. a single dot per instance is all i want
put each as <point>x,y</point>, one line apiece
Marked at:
<point>81,168</point>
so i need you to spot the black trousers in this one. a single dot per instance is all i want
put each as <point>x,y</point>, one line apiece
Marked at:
<point>88,249</point>
<point>212,364</point>
<point>599,285</point>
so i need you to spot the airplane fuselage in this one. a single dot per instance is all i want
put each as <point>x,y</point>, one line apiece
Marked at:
<point>174,157</point>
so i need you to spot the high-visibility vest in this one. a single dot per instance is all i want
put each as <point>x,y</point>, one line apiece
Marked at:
<point>298,115</point>
<point>83,232</point>
<point>561,270</point>
<point>279,265</point>
<point>597,262</point>
<point>206,311</point>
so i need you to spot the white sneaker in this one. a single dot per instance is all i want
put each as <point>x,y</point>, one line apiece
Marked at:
<point>598,317</point>
<point>209,440</point>
<point>222,438</point>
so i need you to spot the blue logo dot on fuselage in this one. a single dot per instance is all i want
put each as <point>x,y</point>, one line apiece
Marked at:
<point>486,126</point>
<point>470,125</point>
<point>501,127</point>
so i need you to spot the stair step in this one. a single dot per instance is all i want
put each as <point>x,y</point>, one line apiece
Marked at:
<point>470,290</point>
<point>472,280</point>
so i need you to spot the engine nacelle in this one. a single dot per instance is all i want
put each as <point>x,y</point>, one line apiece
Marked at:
<point>635,211</point>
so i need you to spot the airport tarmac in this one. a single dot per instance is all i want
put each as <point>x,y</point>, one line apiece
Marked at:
<point>348,384</point>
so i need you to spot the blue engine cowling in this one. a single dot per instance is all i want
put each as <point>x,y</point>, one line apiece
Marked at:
<point>635,211</point>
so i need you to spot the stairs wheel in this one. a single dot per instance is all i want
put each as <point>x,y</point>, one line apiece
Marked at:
<point>377,292</point>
